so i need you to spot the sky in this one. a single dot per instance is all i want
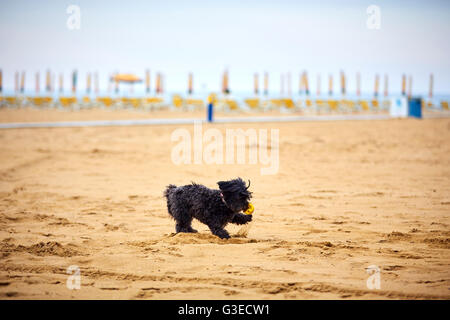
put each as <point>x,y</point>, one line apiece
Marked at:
<point>206,37</point>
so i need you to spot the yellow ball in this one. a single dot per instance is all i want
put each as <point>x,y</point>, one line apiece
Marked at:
<point>250,209</point>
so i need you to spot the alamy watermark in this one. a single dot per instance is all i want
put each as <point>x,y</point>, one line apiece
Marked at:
<point>211,147</point>
<point>374,17</point>
<point>374,281</point>
<point>74,280</point>
<point>74,19</point>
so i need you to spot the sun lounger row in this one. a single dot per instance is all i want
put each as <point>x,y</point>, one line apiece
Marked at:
<point>224,103</point>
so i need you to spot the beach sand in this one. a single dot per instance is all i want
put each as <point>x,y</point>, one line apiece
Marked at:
<point>348,195</point>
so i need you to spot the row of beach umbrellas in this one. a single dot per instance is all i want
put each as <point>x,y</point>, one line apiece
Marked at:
<point>285,83</point>
<point>116,79</point>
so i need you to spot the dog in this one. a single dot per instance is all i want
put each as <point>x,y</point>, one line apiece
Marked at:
<point>215,208</point>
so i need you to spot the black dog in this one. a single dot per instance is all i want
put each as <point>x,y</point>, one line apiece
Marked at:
<point>215,208</point>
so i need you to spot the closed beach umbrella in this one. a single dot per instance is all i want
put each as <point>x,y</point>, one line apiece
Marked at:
<point>16,82</point>
<point>430,93</point>
<point>88,83</point>
<point>74,81</point>
<point>61,83</point>
<point>288,84</point>
<point>301,84</point>
<point>343,89</point>
<point>96,84</point>
<point>377,85</point>
<point>403,84</point>
<point>358,84</point>
<point>37,83</point>
<point>306,83</point>
<point>52,82</point>
<point>266,83</point>
<point>410,86</point>
<point>158,83</point>
<point>147,81</point>
<point>190,83</point>
<point>22,82</point>
<point>386,85</point>
<point>318,85</point>
<point>330,84</point>
<point>48,85</point>
<point>225,85</point>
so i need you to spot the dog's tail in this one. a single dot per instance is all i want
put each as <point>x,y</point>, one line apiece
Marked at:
<point>168,190</point>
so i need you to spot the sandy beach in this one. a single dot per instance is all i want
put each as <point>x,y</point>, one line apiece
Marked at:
<point>348,195</point>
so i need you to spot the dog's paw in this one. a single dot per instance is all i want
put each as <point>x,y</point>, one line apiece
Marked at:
<point>241,218</point>
<point>222,233</point>
<point>248,218</point>
<point>192,230</point>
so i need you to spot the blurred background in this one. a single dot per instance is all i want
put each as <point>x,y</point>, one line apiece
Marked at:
<point>244,37</point>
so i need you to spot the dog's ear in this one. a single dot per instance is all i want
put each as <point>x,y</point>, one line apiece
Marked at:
<point>222,185</point>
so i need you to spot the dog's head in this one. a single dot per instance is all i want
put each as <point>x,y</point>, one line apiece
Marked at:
<point>235,194</point>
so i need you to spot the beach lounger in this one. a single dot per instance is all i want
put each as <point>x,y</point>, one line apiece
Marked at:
<point>154,100</point>
<point>253,103</point>
<point>177,101</point>
<point>320,102</point>
<point>231,104</point>
<point>348,105</point>
<point>86,102</point>
<point>333,104</point>
<point>196,103</point>
<point>135,102</point>
<point>11,102</point>
<point>105,101</point>
<point>42,101</point>
<point>153,103</point>
<point>351,105</point>
<point>364,105</point>
<point>277,103</point>
<point>308,103</point>
<point>37,101</point>
<point>124,102</point>
<point>64,102</point>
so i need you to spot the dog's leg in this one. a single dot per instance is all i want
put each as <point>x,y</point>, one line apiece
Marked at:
<point>192,229</point>
<point>184,227</point>
<point>240,218</point>
<point>220,232</point>
<point>183,220</point>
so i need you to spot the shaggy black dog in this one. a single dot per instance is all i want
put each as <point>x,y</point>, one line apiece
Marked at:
<point>215,208</point>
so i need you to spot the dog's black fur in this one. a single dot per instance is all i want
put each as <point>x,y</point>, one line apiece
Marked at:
<point>215,208</point>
